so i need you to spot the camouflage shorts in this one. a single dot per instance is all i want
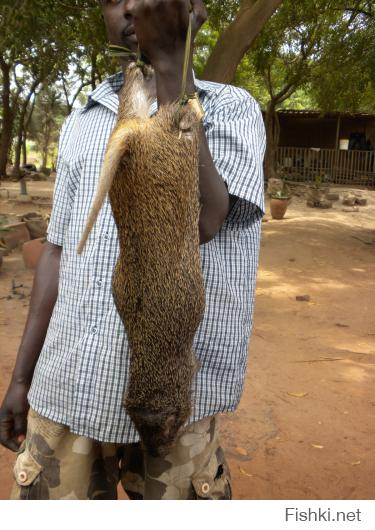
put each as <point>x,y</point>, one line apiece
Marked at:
<point>53,463</point>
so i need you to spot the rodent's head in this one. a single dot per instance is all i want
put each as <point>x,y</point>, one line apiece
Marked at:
<point>158,431</point>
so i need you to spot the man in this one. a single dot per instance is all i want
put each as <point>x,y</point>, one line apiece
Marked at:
<point>73,360</point>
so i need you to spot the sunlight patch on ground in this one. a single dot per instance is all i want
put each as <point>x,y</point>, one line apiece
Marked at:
<point>271,281</point>
<point>329,283</point>
<point>354,373</point>
<point>357,347</point>
<point>268,275</point>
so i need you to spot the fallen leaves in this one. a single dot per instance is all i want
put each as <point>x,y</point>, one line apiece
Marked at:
<point>241,451</point>
<point>244,472</point>
<point>303,298</point>
<point>298,394</point>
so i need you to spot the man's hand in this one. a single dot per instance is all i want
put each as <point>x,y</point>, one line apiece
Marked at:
<point>161,28</point>
<point>13,416</point>
<point>13,411</point>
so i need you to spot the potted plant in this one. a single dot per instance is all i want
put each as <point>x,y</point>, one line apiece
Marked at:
<point>3,248</point>
<point>279,203</point>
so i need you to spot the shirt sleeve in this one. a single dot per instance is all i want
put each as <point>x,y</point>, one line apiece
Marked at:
<point>63,194</point>
<point>237,140</point>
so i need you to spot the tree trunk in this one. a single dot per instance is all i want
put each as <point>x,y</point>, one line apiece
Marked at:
<point>7,128</point>
<point>272,124</point>
<point>17,154</point>
<point>237,38</point>
<point>21,125</point>
<point>272,141</point>
<point>24,150</point>
<point>23,186</point>
<point>45,152</point>
<point>46,143</point>
<point>25,129</point>
<point>68,105</point>
<point>93,70</point>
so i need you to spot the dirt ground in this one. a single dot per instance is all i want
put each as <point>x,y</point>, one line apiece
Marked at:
<point>305,426</point>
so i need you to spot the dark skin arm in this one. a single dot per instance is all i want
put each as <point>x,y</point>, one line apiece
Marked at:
<point>13,411</point>
<point>161,28</point>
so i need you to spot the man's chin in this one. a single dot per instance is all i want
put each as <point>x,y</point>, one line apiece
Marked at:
<point>131,42</point>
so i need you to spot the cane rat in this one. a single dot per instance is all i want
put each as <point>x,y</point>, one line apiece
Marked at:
<point>150,172</point>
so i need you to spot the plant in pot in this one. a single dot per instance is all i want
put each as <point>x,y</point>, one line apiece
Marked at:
<point>279,203</point>
<point>3,247</point>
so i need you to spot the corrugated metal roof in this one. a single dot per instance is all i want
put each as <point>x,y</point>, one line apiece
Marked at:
<point>317,113</point>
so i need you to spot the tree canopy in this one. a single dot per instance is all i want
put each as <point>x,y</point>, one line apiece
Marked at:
<point>311,53</point>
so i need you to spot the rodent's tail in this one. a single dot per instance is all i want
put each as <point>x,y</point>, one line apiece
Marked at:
<point>134,107</point>
<point>115,150</point>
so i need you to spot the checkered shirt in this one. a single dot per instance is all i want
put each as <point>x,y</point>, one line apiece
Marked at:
<point>83,368</point>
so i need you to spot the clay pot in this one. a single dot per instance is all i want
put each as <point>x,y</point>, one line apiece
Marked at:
<point>278,208</point>
<point>17,234</point>
<point>31,251</point>
<point>37,227</point>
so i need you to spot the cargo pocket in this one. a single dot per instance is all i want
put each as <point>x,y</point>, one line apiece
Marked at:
<point>27,474</point>
<point>213,483</point>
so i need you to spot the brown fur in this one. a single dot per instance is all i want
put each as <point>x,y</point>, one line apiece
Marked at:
<point>157,282</point>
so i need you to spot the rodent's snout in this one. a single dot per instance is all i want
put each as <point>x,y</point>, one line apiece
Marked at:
<point>158,431</point>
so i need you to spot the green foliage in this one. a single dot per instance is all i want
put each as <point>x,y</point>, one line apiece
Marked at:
<point>203,46</point>
<point>3,226</point>
<point>344,78</point>
<point>281,195</point>
<point>310,54</point>
<point>46,122</point>
<point>290,44</point>
<point>48,42</point>
<point>221,12</point>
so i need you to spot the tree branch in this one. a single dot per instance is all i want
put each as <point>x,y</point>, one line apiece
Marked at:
<point>237,38</point>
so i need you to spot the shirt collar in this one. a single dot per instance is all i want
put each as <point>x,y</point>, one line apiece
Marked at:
<point>106,93</point>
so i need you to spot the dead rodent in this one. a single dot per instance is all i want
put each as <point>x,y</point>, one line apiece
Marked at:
<point>151,174</point>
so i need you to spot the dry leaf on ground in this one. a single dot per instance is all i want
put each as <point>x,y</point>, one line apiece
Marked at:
<point>298,394</point>
<point>244,472</point>
<point>241,451</point>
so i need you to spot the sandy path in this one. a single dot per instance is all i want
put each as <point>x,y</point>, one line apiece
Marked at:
<point>317,443</point>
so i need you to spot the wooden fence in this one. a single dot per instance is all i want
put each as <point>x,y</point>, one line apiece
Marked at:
<point>333,165</point>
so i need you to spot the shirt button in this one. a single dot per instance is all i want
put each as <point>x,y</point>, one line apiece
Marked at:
<point>99,283</point>
<point>94,330</point>
<point>106,236</point>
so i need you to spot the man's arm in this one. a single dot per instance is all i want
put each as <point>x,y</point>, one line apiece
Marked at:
<point>214,197</point>
<point>161,35</point>
<point>13,411</point>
